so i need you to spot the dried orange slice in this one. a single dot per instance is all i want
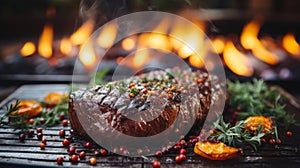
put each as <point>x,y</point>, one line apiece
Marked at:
<point>54,98</point>
<point>253,122</point>
<point>216,151</point>
<point>29,107</point>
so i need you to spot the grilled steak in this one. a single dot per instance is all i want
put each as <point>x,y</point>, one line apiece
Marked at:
<point>143,105</point>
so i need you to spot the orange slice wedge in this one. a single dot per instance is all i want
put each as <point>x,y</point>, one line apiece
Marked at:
<point>216,151</point>
<point>53,98</point>
<point>253,122</point>
<point>29,107</point>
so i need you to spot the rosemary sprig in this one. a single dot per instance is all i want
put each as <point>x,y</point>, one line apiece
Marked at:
<point>52,116</point>
<point>236,135</point>
<point>257,98</point>
<point>15,120</point>
<point>21,121</point>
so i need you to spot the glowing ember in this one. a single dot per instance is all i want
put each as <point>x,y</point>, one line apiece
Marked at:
<point>45,42</point>
<point>27,49</point>
<point>236,61</point>
<point>128,43</point>
<point>290,44</point>
<point>87,57</point>
<point>65,46</point>
<point>107,36</point>
<point>83,33</point>
<point>250,41</point>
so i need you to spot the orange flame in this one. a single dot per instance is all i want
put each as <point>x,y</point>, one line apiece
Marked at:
<point>192,37</point>
<point>290,44</point>
<point>65,46</point>
<point>45,42</point>
<point>128,43</point>
<point>218,43</point>
<point>140,58</point>
<point>27,49</point>
<point>263,54</point>
<point>196,61</point>
<point>107,36</point>
<point>185,51</point>
<point>82,33</point>
<point>157,39</point>
<point>236,61</point>
<point>87,56</point>
<point>250,41</point>
<point>249,35</point>
<point>154,40</point>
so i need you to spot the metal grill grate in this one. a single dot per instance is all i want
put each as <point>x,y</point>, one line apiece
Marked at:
<point>14,153</point>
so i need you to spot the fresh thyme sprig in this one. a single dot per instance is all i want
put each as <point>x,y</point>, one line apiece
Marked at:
<point>256,99</point>
<point>236,135</point>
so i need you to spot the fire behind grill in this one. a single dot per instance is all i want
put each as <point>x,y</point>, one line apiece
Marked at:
<point>14,153</point>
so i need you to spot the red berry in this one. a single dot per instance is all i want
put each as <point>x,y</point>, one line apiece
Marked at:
<point>272,141</point>
<point>103,152</point>
<point>74,158</point>
<point>182,157</point>
<point>156,164</point>
<point>22,137</point>
<point>158,153</point>
<point>30,133</point>
<point>88,145</point>
<point>176,147</point>
<point>93,161</point>
<point>126,152</point>
<point>278,141</point>
<point>61,116</point>
<point>42,120</point>
<point>82,155</point>
<point>61,133</point>
<point>182,151</point>
<point>59,160</point>
<point>289,133</point>
<point>66,142</point>
<point>122,149</point>
<point>71,150</point>
<point>177,159</point>
<point>263,140</point>
<point>31,121</point>
<point>39,130</point>
<point>39,136</point>
<point>65,123</point>
<point>44,140</point>
<point>42,146</point>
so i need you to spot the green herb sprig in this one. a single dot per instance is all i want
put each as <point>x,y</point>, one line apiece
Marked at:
<point>21,121</point>
<point>52,116</point>
<point>236,135</point>
<point>15,120</point>
<point>256,99</point>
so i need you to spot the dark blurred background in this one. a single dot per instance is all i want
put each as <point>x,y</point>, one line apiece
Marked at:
<point>23,21</point>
